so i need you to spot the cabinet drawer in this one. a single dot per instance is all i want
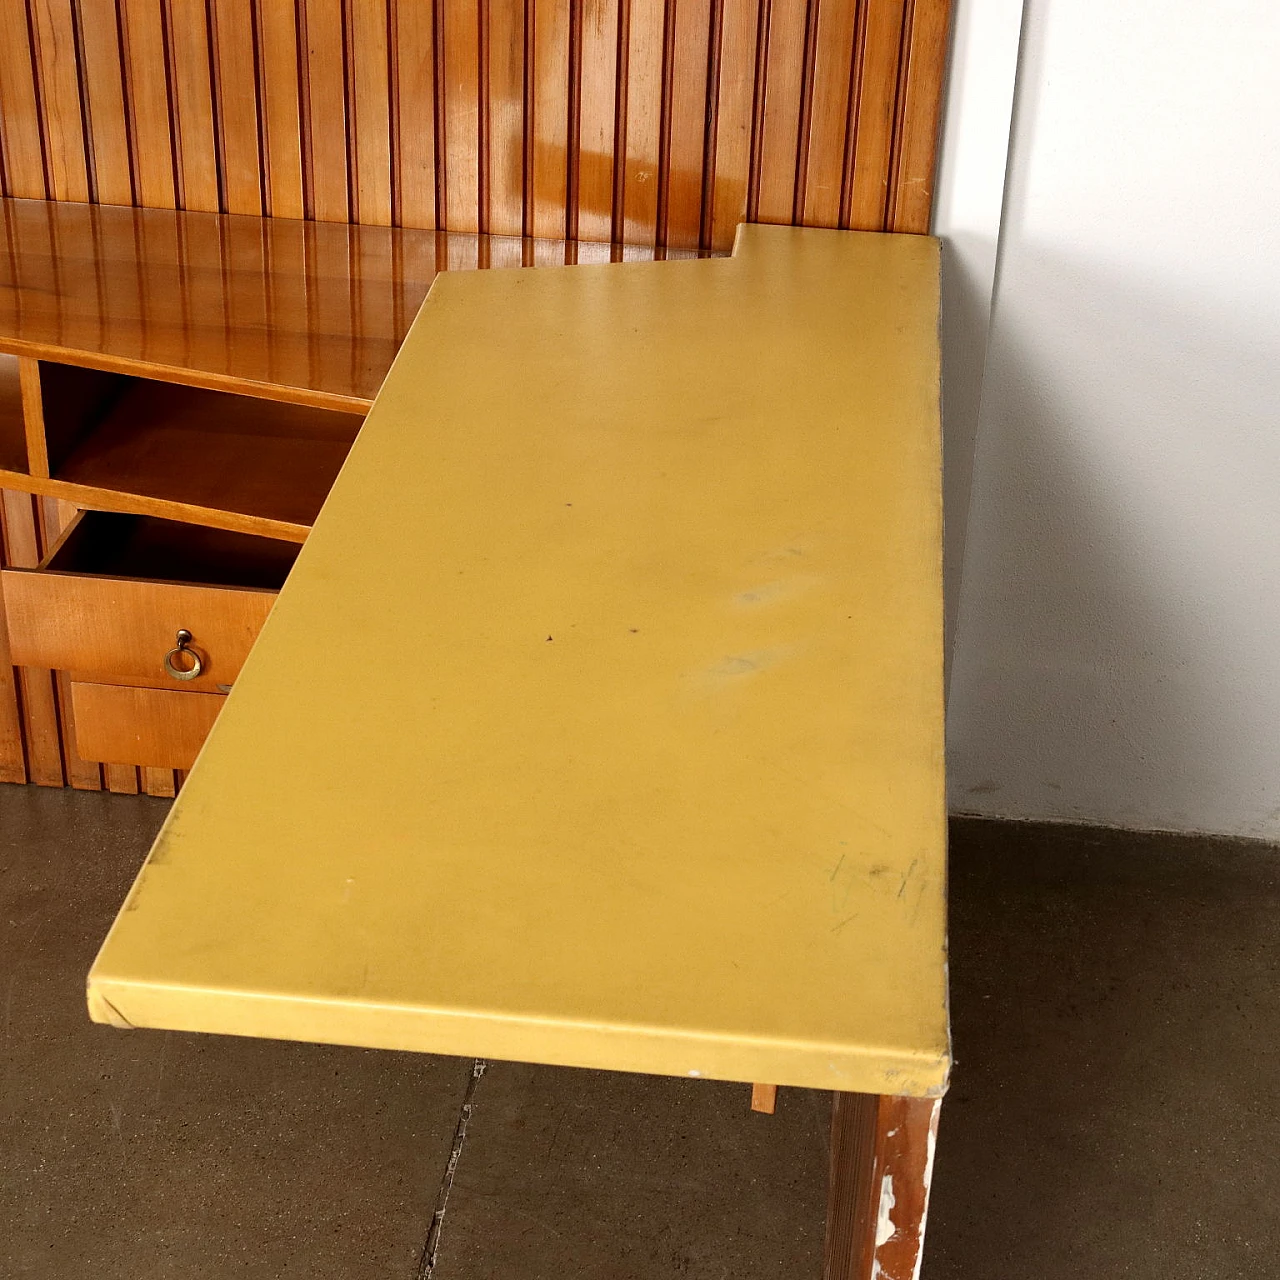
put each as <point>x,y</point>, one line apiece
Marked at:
<point>121,724</point>
<point>111,596</point>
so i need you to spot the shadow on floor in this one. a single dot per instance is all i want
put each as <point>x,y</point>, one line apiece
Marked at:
<point>1111,1114</point>
<point>1116,1016</point>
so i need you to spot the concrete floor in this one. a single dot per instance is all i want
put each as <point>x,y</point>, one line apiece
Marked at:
<point>1112,1113</point>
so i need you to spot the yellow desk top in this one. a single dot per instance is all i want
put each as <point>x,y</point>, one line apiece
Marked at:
<point>600,722</point>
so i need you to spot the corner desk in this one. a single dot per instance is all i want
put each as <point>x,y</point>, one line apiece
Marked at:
<point>626,605</point>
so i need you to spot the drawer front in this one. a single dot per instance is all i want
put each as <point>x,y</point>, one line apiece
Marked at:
<point>122,628</point>
<point>121,724</point>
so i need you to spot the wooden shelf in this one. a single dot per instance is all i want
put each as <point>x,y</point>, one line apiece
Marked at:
<point>208,450</point>
<point>229,461</point>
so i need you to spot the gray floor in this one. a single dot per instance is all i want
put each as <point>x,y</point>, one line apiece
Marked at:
<point>1112,1111</point>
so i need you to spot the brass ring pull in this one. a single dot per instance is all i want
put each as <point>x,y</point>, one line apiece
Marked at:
<point>183,647</point>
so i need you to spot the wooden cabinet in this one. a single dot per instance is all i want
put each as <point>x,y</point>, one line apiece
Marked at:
<point>186,506</point>
<point>170,423</point>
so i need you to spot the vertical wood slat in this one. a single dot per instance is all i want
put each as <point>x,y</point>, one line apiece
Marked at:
<point>686,136</point>
<point>21,149</point>
<point>191,98</point>
<point>641,134</point>
<point>121,779</point>
<point>829,122</point>
<point>235,85</point>
<point>52,24</point>
<point>159,782</point>
<point>548,122</point>
<point>413,94</point>
<point>592,219</point>
<point>783,75</point>
<point>461,98</point>
<point>370,64</point>
<point>280,109</point>
<point>144,58</point>
<point>325,119</point>
<point>505,124</point>
<point>739,27</point>
<point>102,76</point>
<point>36,696</point>
<point>918,117</point>
<point>870,138</point>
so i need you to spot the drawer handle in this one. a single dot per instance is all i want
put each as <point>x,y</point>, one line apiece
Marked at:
<point>183,648</point>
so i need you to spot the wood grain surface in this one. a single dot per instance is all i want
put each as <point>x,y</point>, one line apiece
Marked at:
<point>661,122</point>
<point>305,312</point>
<point>159,729</point>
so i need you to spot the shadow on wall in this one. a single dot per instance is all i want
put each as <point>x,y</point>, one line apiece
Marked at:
<point>966,317</point>
<point>1115,654</point>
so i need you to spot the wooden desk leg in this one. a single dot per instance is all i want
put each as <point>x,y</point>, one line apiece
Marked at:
<point>881,1166</point>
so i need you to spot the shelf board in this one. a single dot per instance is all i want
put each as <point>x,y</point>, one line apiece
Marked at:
<point>204,457</point>
<point>99,499</point>
<point>272,307</point>
<point>210,451</point>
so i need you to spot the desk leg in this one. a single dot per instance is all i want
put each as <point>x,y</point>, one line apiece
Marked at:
<point>881,1165</point>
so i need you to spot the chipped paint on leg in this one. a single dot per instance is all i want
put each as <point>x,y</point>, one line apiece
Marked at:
<point>885,1230</point>
<point>930,1149</point>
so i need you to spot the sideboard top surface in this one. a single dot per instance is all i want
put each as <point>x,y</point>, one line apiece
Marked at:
<point>283,308</point>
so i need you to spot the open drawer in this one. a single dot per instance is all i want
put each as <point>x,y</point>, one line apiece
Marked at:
<point>110,598</point>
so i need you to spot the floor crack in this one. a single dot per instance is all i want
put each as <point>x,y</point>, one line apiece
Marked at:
<point>431,1249</point>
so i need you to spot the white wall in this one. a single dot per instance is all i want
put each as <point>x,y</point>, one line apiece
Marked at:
<point>1117,653</point>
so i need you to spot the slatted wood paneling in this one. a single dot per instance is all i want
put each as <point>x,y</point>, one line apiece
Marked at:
<point>658,122</point>
<point>654,124</point>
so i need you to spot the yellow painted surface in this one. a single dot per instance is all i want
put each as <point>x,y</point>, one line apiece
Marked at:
<point>600,722</point>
